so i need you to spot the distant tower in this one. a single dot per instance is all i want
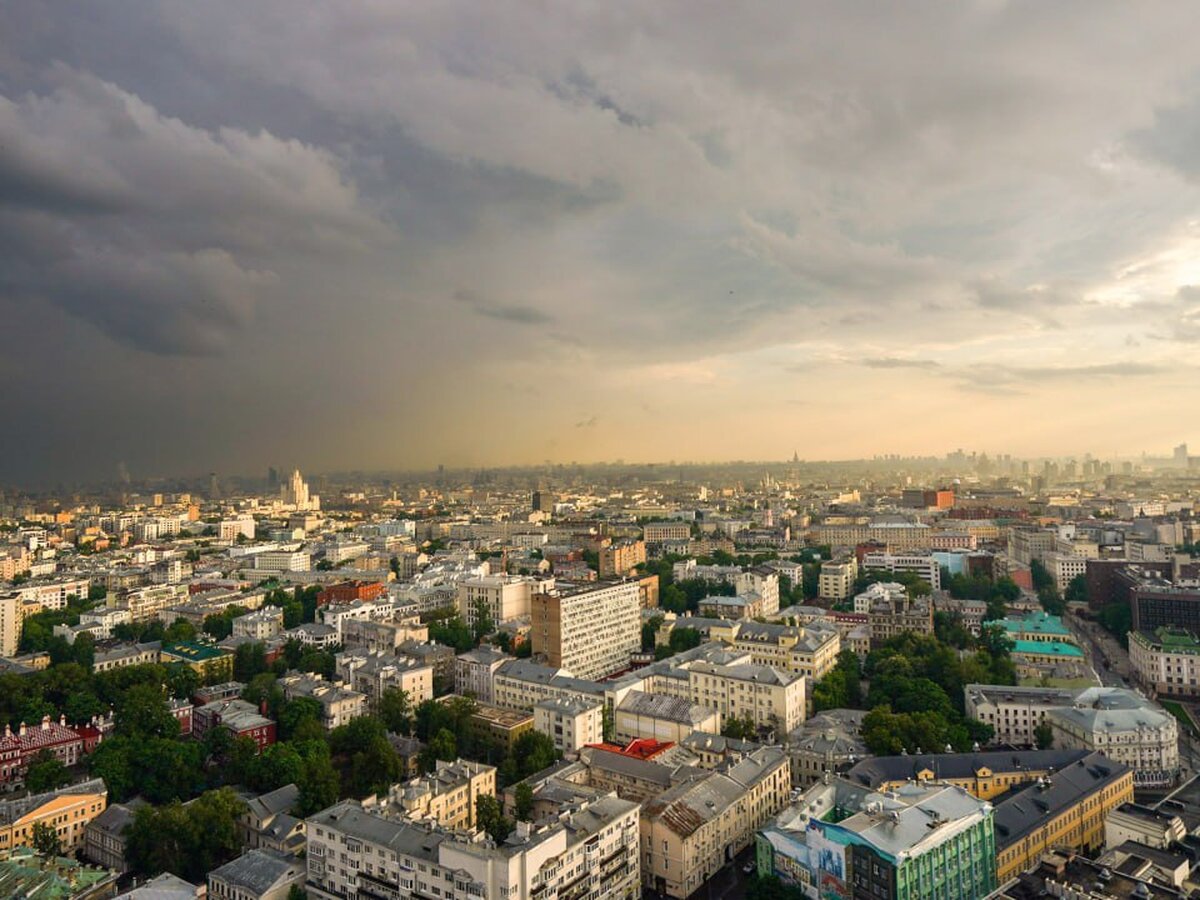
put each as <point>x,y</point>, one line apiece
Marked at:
<point>295,492</point>
<point>539,501</point>
<point>214,487</point>
<point>272,478</point>
<point>795,456</point>
<point>1181,456</point>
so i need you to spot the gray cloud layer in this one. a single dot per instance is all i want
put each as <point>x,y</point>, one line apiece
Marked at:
<point>252,214</point>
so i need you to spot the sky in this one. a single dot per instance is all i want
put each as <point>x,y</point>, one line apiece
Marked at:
<point>392,235</point>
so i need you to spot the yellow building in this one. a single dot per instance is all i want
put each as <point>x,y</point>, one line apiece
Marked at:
<point>68,810</point>
<point>983,775</point>
<point>1065,811</point>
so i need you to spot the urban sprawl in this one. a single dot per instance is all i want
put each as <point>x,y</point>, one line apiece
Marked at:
<point>896,679</point>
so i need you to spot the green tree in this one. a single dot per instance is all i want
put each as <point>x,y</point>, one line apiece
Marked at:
<point>1077,591</point>
<point>395,709</point>
<point>319,782</point>
<point>374,769</point>
<point>249,659</point>
<point>523,801</point>
<point>490,818</point>
<point>142,712</point>
<point>484,624</point>
<point>45,839</point>
<point>45,773</point>
<point>442,746</point>
<point>1043,736</point>
<point>740,728</point>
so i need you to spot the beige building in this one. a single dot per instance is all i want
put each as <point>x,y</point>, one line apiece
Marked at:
<point>642,715</point>
<point>373,673</point>
<point>446,796</point>
<point>148,602</point>
<point>770,698</point>
<point>11,619</point>
<point>339,704</point>
<point>381,637</point>
<point>257,875</point>
<point>692,830</point>
<point>570,722</point>
<point>1166,661</point>
<point>659,532</point>
<point>836,581</point>
<point>620,558</point>
<point>592,631</point>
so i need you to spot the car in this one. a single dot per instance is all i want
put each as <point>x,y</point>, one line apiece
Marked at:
<point>748,868</point>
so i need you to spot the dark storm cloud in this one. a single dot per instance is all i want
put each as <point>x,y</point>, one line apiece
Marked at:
<point>161,235</point>
<point>253,194</point>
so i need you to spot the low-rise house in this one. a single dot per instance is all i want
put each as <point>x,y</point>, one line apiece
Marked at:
<point>239,718</point>
<point>256,875</point>
<point>268,821</point>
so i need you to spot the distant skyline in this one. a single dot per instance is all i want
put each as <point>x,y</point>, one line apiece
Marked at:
<point>384,236</point>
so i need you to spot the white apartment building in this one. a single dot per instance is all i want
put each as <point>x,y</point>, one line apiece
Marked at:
<point>589,852</point>
<point>593,631</point>
<point>881,592</point>
<point>230,529</point>
<point>149,602</point>
<point>923,565</point>
<point>1066,568</point>
<point>54,594</point>
<point>337,614</point>
<point>282,561</point>
<point>570,722</point>
<point>506,597</point>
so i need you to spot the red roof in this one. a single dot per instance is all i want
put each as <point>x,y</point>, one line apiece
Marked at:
<point>638,748</point>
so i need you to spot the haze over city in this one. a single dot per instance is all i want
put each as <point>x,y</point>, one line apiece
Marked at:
<point>387,236</point>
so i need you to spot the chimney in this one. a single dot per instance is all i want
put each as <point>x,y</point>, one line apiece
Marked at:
<point>22,731</point>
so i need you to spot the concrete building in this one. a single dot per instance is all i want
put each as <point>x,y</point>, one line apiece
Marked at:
<point>923,565</point>
<point>1146,825</point>
<point>662,532</point>
<point>239,718</point>
<point>771,699</point>
<point>692,830</point>
<point>589,851</point>
<point>570,722</point>
<point>592,630</point>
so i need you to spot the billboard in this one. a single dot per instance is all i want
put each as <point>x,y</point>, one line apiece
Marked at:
<point>829,861</point>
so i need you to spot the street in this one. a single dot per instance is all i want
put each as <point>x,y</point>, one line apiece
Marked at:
<point>1098,645</point>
